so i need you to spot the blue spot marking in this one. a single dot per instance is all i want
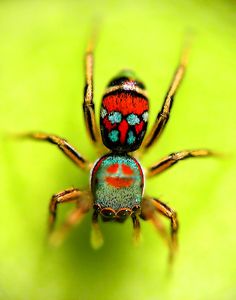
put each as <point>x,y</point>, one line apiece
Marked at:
<point>114,135</point>
<point>115,117</point>
<point>145,116</point>
<point>133,119</point>
<point>131,138</point>
<point>103,112</point>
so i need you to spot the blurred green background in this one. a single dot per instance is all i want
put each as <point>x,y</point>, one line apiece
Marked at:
<point>41,87</point>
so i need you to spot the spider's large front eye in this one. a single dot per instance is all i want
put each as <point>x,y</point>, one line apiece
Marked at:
<point>108,213</point>
<point>123,213</point>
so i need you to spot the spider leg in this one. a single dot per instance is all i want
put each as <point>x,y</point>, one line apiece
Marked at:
<point>163,115</point>
<point>62,144</point>
<point>136,227</point>
<point>84,203</point>
<point>88,104</point>
<point>68,195</point>
<point>169,213</point>
<point>148,212</point>
<point>96,235</point>
<point>173,158</point>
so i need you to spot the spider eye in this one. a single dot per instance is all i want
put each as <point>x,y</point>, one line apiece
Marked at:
<point>123,213</point>
<point>108,213</point>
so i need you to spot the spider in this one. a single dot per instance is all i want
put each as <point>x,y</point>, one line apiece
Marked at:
<point>117,178</point>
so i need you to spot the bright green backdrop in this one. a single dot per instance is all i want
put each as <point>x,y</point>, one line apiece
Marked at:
<point>41,87</point>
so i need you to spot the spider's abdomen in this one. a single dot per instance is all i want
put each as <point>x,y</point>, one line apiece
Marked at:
<point>117,185</point>
<point>124,113</point>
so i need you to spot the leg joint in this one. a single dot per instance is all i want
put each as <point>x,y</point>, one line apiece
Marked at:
<point>164,115</point>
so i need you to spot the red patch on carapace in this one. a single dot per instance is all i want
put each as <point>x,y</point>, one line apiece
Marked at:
<point>123,128</point>
<point>126,103</point>
<point>139,127</point>
<point>113,168</point>
<point>127,170</point>
<point>118,182</point>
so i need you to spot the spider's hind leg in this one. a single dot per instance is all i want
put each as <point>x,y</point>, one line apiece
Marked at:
<point>164,114</point>
<point>88,104</point>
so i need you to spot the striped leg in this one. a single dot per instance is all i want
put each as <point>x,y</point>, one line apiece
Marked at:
<point>62,144</point>
<point>84,204</point>
<point>169,213</point>
<point>88,105</point>
<point>68,195</point>
<point>163,115</point>
<point>148,210</point>
<point>173,158</point>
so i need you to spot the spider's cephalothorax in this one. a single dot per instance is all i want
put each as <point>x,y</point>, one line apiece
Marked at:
<point>117,179</point>
<point>124,113</point>
<point>117,186</point>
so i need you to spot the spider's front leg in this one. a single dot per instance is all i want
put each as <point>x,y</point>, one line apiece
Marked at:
<point>83,201</point>
<point>68,195</point>
<point>150,206</point>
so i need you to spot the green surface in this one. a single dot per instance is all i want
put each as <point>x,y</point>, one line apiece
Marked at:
<point>41,87</point>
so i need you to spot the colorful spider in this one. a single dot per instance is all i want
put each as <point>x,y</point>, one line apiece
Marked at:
<point>117,178</point>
